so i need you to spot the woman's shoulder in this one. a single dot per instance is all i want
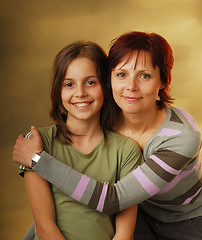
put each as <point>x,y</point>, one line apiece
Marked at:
<point>182,117</point>
<point>179,133</point>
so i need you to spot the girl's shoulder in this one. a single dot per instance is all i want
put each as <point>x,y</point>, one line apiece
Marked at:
<point>48,132</point>
<point>48,136</point>
<point>120,140</point>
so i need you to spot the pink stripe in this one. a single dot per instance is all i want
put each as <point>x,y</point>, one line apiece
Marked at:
<point>179,178</point>
<point>169,132</point>
<point>188,200</point>
<point>189,118</point>
<point>81,187</point>
<point>164,165</point>
<point>148,186</point>
<point>102,198</point>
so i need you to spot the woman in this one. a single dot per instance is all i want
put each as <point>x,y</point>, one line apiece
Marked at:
<point>167,185</point>
<point>81,109</point>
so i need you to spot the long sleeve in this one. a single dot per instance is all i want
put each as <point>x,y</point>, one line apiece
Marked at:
<point>173,152</point>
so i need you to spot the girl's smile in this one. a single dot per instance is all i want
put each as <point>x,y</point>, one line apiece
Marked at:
<point>81,92</point>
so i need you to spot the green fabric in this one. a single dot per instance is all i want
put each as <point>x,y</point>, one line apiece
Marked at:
<point>106,163</point>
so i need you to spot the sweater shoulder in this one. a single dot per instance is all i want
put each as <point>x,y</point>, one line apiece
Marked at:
<point>179,134</point>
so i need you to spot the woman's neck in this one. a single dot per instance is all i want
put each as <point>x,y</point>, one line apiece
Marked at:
<point>141,126</point>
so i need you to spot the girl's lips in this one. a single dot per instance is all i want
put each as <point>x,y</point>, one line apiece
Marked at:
<point>81,105</point>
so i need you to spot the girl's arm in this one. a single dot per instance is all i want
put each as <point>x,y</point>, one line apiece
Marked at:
<point>42,206</point>
<point>125,224</point>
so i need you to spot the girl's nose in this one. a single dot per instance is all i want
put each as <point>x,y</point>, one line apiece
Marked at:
<point>80,91</point>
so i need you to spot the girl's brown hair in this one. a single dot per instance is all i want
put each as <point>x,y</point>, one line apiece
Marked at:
<point>72,51</point>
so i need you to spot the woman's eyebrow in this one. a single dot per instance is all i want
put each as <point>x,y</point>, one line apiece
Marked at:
<point>118,69</point>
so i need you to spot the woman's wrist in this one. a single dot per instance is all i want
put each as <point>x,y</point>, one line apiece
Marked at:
<point>36,157</point>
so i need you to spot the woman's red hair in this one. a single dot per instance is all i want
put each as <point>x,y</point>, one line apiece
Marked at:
<point>161,55</point>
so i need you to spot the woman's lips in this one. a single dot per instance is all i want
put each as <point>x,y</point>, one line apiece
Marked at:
<point>131,99</point>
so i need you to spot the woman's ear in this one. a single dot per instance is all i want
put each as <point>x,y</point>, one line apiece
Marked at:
<point>162,86</point>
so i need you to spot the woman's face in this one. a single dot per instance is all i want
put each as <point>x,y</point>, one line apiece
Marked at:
<point>81,92</point>
<point>136,83</point>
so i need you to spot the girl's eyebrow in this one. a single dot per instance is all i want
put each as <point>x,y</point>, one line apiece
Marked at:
<point>91,76</point>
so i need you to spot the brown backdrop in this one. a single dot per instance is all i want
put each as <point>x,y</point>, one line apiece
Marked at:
<point>32,32</point>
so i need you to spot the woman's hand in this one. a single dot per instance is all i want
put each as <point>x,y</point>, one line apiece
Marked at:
<point>25,148</point>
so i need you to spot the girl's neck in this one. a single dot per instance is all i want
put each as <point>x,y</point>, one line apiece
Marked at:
<point>85,134</point>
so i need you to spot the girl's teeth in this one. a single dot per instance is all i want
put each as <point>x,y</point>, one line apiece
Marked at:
<point>81,104</point>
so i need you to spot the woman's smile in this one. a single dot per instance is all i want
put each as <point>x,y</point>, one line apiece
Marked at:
<point>136,83</point>
<point>131,99</point>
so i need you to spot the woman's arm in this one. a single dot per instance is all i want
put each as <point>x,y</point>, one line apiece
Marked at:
<point>42,206</point>
<point>125,224</point>
<point>144,182</point>
<point>141,184</point>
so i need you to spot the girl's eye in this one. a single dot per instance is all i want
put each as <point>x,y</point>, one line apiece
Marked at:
<point>144,75</point>
<point>68,84</point>
<point>121,75</point>
<point>90,83</point>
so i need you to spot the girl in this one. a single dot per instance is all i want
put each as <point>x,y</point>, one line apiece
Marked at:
<point>82,110</point>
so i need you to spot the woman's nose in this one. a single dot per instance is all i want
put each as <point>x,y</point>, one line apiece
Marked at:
<point>132,84</point>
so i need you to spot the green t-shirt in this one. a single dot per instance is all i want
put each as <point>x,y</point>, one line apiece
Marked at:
<point>108,162</point>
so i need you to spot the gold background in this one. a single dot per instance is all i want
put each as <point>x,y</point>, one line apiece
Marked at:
<point>32,32</point>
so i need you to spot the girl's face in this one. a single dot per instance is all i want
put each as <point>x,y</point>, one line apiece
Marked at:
<point>136,83</point>
<point>81,92</point>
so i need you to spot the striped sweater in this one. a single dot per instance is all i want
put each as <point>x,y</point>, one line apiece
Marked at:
<point>167,184</point>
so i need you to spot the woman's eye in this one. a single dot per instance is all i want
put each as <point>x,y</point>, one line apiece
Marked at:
<point>121,75</point>
<point>144,75</point>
